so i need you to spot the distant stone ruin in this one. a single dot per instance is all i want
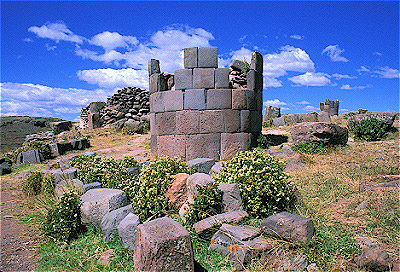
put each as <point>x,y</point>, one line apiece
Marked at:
<point>331,107</point>
<point>203,111</point>
<point>271,112</point>
<point>89,117</point>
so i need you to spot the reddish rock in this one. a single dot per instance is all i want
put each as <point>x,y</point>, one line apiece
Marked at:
<point>177,191</point>
<point>105,258</point>
<point>374,260</point>
<point>219,219</point>
<point>325,133</point>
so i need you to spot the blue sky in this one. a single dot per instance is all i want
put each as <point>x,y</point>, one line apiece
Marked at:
<point>58,56</point>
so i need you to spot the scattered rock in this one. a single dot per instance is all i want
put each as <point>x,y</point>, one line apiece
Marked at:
<point>216,220</point>
<point>30,156</point>
<point>325,133</point>
<point>134,126</point>
<point>296,262</point>
<point>289,226</point>
<point>196,179</point>
<point>366,240</point>
<point>127,230</point>
<point>134,171</point>
<point>217,168</point>
<point>374,260</point>
<point>202,165</point>
<point>177,191</point>
<point>387,117</point>
<point>231,199</point>
<point>163,245</point>
<point>89,186</point>
<point>68,185</point>
<point>65,174</point>
<point>105,258</point>
<point>312,267</point>
<point>5,168</point>
<point>110,221</point>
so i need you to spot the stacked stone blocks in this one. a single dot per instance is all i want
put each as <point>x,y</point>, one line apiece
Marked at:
<point>202,116</point>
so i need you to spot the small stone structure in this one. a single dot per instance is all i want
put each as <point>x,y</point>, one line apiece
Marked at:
<point>199,113</point>
<point>271,112</point>
<point>89,117</point>
<point>331,107</point>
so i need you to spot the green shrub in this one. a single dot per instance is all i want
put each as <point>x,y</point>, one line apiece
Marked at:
<point>57,130</point>
<point>370,130</point>
<point>129,161</point>
<point>268,123</point>
<point>263,142</point>
<point>63,222</point>
<point>48,184</point>
<point>127,130</point>
<point>207,202</point>
<point>246,67</point>
<point>311,148</point>
<point>150,198</point>
<point>33,184</point>
<point>262,181</point>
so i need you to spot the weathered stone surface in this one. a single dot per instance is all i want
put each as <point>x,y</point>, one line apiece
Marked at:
<point>238,65</point>
<point>239,99</point>
<point>196,179</point>
<point>374,260</point>
<point>55,149</point>
<point>165,123</point>
<point>93,121</point>
<point>153,144</point>
<point>68,185</point>
<point>271,112</point>
<point>190,57</point>
<point>187,122</point>
<point>331,107</point>
<point>89,186</point>
<point>30,156</point>
<point>229,234</point>
<point>5,168</point>
<point>231,120</point>
<point>231,199</point>
<point>105,257</point>
<point>222,78</point>
<point>289,226</point>
<point>203,78</point>
<point>256,121</point>
<point>183,79</point>
<point>173,100</point>
<point>163,245</point>
<point>65,174</point>
<point>134,126</point>
<point>173,146</point>
<point>153,66</point>
<point>217,168</point>
<point>219,219</point>
<point>127,230</point>
<point>61,126</point>
<point>256,62</point>
<point>294,262</point>
<point>219,99</point>
<point>386,117</point>
<point>202,165</point>
<point>97,202</point>
<point>231,143</point>
<point>134,171</point>
<point>319,132</point>
<point>157,102</point>
<point>245,121</point>
<point>323,116</point>
<point>195,99</point>
<point>177,192</point>
<point>111,220</point>
<point>212,121</point>
<point>280,121</point>
<point>208,57</point>
<point>203,146</point>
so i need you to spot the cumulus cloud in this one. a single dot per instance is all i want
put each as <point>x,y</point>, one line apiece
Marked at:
<point>303,102</point>
<point>296,37</point>
<point>363,69</point>
<point>348,87</point>
<point>311,79</point>
<point>311,108</point>
<point>57,32</point>
<point>40,100</point>
<point>335,53</point>
<point>340,76</point>
<point>29,40</point>
<point>111,40</point>
<point>387,72</point>
<point>378,54</point>
<point>275,103</point>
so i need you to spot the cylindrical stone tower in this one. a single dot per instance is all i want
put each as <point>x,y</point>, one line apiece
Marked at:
<point>196,113</point>
<point>329,106</point>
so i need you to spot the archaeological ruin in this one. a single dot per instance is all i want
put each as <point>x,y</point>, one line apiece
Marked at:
<point>329,106</point>
<point>203,111</point>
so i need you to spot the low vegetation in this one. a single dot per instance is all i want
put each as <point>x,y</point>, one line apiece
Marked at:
<point>370,130</point>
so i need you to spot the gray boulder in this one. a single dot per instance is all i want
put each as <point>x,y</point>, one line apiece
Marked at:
<point>93,185</point>
<point>231,199</point>
<point>5,168</point>
<point>325,133</point>
<point>196,179</point>
<point>134,126</point>
<point>374,260</point>
<point>30,156</point>
<point>202,165</point>
<point>217,168</point>
<point>65,174</point>
<point>289,226</point>
<point>127,230</point>
<point>163,245</point>
<point>219,219</point>
<point>294,262</point>
<point>133,171</point>
<point>68,185</point>
<point>386,117</point>
<point>111,220</point>
<point>97,202</point>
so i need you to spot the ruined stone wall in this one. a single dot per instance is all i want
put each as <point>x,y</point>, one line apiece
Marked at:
<point>331,107</point>
<point>199,113</point>
<point>89,115</point>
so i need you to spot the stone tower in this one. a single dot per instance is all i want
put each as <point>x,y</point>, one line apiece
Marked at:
<point>331,107</point>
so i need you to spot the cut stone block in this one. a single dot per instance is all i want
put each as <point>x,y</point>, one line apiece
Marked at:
<point>219,219</point>
<point>111,220</point>
<point>239,99</point>
<point>211,121</point>
<point>65,174</point>
<point>231,143</point>
<point>279,121</point>
<point>5,168</point>
<point>222,78</point>
<point>289,226</point>
<point>70,185</point>
<point>89,186</point>
<point>229,234</point>
<point>325,133</point>
<point>97,202</point>
<point>208,57</point>
<point>173,146</point>
<point>256,121</point>
<point>219,99</point>
<point>203,146</point>
<point>256,62</point>
<point>203,78</point>
<point>30,156</point>
<point>254,80</point>
<point>74,144</point>
<point>55,149</point>
<point>165,123</point>
<point>157,82</point>
<point>231,120</point>
<point>153,66</point>
<point>231,199</point>
<point>195,99</point>
<point>238,65</point>
<point>245,121</point>
<point>173,100</point>
<point>153,144</point>
<point>127,230</point>
<point>251,99</point>
<point>177,192</point>
<point>323,116</point>
<point>187,122</point>
<point>183,79</point>
<point>190,57</point>
<point>202,165</point>
<point>163,245</point>
<point>196,179</point>
<point>157,102</point>
<point>83,143</point>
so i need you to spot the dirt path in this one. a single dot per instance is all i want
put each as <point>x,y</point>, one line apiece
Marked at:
<point>17,242</point>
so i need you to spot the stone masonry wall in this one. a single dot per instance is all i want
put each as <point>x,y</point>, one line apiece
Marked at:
<point>331,107</point>
<point>196,113</point>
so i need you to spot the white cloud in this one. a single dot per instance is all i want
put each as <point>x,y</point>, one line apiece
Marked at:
<point>57,32</point>
<point>50,48</point>
<point>115,78</point>
<point>108,57</point>
<point>111,40</point>
<point>272,82</point>
<point>28,40</point>
<point>387,72</point>
<point>340,76</point>
<point>378,54</point>
<point>363,69</point>
<point>296,37</point>
<point>348,87</point>
<point>344,110</point>
<point>275,103</point>
<point>40,100</point>
<point>311,79</point>
<point>303,102</point>
<point>335,53</point>
<point>311,108</point>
